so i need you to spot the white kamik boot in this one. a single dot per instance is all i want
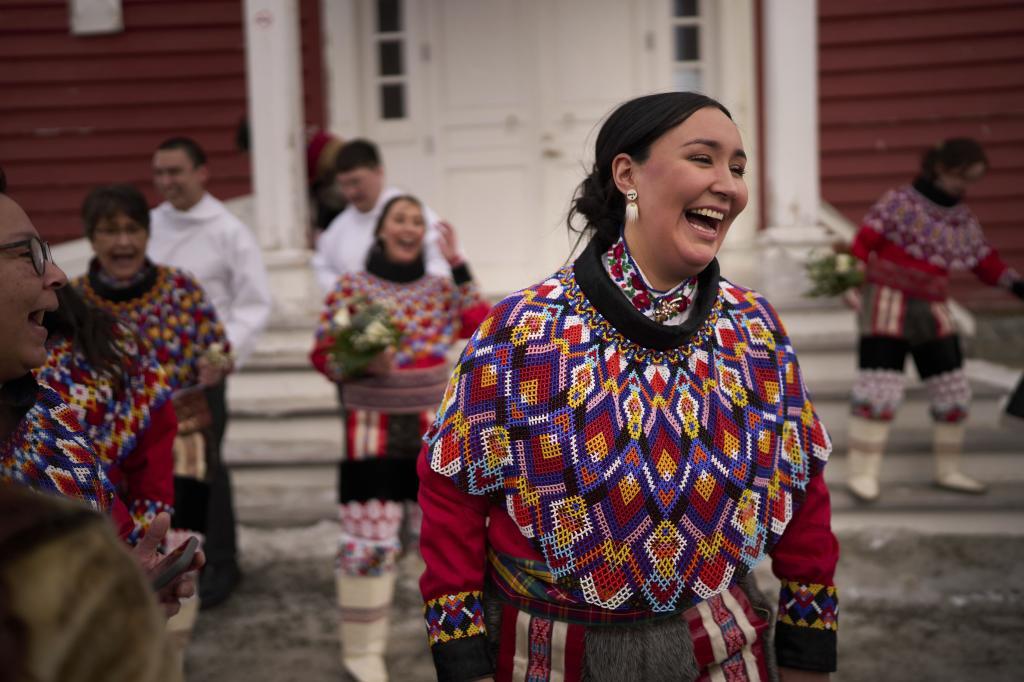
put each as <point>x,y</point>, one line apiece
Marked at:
<point>948,444</point>
<point>365,605</point>
<point>864,459</point>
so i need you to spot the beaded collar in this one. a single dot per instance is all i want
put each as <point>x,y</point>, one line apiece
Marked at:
<point>664,307</point>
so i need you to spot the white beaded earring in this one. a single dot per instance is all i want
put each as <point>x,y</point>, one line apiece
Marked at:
<point>632,210</point>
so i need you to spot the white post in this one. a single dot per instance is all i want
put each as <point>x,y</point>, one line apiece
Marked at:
<point>277,138</point>
<point>791,184</point>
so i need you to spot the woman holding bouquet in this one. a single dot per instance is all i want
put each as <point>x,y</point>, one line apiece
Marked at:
<point>623,442</point>
<point>909,241</point>
<point>178,326</point>
<point>383,338</point>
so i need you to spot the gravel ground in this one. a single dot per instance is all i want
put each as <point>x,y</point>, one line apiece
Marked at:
<point>913,607</point>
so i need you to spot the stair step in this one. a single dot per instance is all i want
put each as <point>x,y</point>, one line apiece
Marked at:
<point>292,496</point>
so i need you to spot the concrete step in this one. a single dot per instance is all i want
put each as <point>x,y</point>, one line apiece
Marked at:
<point>303,391</point>
<point>294,419</point>
<point>302,495</point>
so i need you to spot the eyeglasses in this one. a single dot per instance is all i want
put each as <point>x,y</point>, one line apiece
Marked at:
<point>39,249</point>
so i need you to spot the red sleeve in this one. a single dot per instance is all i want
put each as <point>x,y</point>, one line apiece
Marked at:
<point>453,543</point>
<point>868,239</point>
<point>149,470</point>
<point>319,356</point>
<point>471,305</point>
<point>471,317</point>
<point>805,560</point>
<point>991,269</point>
<point>122,520</point>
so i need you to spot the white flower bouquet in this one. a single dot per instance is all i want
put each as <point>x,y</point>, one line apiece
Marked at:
<point>832,274</point>
<point>361,335</point>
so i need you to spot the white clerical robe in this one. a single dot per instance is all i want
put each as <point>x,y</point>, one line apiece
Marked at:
<point>346,242</point>
<point>221,251</point>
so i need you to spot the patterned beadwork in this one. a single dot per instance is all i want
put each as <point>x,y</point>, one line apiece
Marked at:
<point>49,451</point>
<point>143,511</point>
<point>174,319</point>
<point>947,237</point>
<point>667,307</point>
<point>426,311</point>
<point>646,479</point>
<point>112,419</point>
<point>809,605</point>
<point>455,616</point>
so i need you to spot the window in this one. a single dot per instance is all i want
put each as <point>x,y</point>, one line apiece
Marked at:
<point>391,67</point>
<point>689,63</point>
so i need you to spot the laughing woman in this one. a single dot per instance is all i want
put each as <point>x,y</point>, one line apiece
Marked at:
<point>163,306</point>
<point>387,411</point>
<point>622,443</point>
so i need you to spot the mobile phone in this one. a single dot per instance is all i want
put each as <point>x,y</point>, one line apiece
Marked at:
<point>175,563</point>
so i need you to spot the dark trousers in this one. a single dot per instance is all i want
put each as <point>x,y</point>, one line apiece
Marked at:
<point>220,545</point>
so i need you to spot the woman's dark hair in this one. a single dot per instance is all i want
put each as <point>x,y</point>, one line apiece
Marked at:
<point>631,129</point>
<point>3,181</point>
<point>93,333</point>
<point>388,206</point>
<point>956,153</point>
<point>105,202</point>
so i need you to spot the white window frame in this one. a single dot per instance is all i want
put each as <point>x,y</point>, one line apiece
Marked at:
<point>705,64</point>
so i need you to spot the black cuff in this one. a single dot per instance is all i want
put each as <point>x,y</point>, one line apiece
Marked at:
<point>460,273</point>
<point>1018,288</point>
<point>805,648</point>
<point>462,660</point>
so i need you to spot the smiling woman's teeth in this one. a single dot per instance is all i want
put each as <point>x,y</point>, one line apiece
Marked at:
<point>709,213</point>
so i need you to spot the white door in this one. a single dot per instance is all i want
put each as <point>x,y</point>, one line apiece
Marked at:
<point>506,97</point>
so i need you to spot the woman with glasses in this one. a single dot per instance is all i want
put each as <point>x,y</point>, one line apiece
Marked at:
<point>70,599</point>
<point>41,443</point>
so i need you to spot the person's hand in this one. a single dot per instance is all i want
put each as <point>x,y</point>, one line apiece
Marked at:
<point>794,675</point>
<point>382,363</point>
<point>853,299</point>
<point>211,373</point>
<point>147,557</point>
<point>449,244</point>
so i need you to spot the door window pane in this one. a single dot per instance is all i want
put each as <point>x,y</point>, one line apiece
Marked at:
<point>391,58</point>
<point>686,48</point>
<point>686,8</point>
<point>389,16</point>
<point>392,100</point>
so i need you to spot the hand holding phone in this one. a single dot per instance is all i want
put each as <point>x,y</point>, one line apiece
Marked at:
<point>175,563</point>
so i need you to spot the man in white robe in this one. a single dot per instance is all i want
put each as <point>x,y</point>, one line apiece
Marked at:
<point>194,231</point>
<point>345,244</point>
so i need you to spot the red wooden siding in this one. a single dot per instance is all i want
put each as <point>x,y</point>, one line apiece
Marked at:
<point>314,103</point>
<point>895,77</point>
<point>81,111</point>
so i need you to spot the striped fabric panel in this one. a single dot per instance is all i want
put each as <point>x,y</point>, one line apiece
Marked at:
<point>367,434</point>
<point>726,634</point>
<point>538,649</point>
<point>725,629</point>
<point>889,309</point>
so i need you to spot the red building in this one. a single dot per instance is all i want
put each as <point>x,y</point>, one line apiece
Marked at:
<point>896,76</point>
<point>79,111</point>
